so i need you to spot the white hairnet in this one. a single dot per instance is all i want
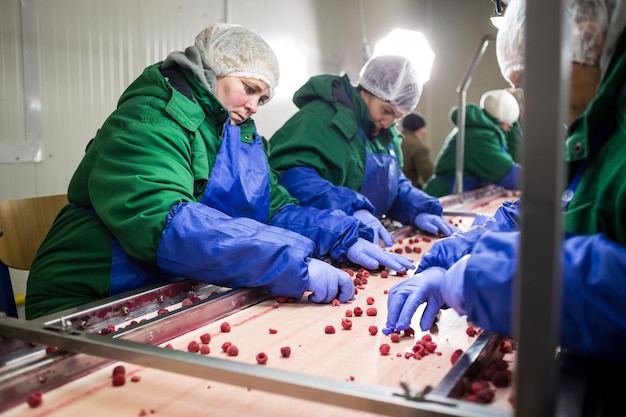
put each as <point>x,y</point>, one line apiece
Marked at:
<point>594,25</point>
<point>501,105</point>
<point>394,79</point>
<point>233,50</point>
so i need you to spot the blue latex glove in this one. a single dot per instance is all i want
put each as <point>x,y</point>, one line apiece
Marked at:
<point>445,252</point>
<point>371,256</point>
<point>512,180</point>
<point>436,287</point>
<point>434,224</point>
<point>372,222</point>
<point>327,283</point>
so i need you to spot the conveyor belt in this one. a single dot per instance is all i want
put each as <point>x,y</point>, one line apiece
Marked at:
<point>324,371</point>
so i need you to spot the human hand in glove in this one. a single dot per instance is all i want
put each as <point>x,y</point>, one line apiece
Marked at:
<point>445,252</point>
<point>372,222</point>
<point>371,256</point>
<point>327,283</point>
<point>433,224</point>
<point>435,286</point>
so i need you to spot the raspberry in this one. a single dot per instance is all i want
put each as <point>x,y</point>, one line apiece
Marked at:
<point>119,369</point>
<point>35,399</point>
<point>285,351</point>
<point>119,380</point>
<point>456,355</point>
<point>348,313</point>
<point>384,349</point>
<point>395,337</point>
<point>346,323</point>
<point>225,327</point>
<point>205,338</point>
<point>205,349</point>
<point>273,331</point>
<point>193,346</point>
<point>232,350</point>
<point>261,358</point>
<point>373,330</point>
<point>371,311</point>
<point>225,346</point>
<point>370,300</point>
<point>329,329</point>
<point>358,311</point>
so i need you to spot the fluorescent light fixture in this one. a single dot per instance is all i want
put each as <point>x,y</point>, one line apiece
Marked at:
<point>410,44</point>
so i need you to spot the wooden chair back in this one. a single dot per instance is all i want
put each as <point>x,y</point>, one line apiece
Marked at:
<point>24,224</point>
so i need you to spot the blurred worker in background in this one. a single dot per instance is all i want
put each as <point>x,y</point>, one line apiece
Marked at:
<point>176,184</point>
<point>472,272</point>
<point>341,150</point>
<point>487,159</point>
<point>515,134</point>
<point>418,166</point>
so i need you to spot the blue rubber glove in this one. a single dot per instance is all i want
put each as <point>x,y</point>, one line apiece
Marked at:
<point>371,256</point>
<point>445,252</point>
<point>434,224</point>
<point>327,283</point>
<point>512,180</point>
<point>373,223</point>
<point>436,287</point>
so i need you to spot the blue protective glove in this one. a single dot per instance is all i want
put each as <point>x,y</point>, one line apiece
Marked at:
<point>327,283</point>
<point>435,286</point>
<point>371,256</point>
<point>434,224</point>
<point>445,252</point>
<point>512,180</point>
<point>373,223</point>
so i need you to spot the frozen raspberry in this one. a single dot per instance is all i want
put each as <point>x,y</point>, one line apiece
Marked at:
<point>35,399</point>
<point>232,350</point>
<point>119,380</point>
<point>225,327</point>
<point>193,346</point>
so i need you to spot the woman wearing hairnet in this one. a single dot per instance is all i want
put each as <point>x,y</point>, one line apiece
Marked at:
<point>487,158</point>
<point>341,150</point>
<point>177,183</point>
<point>472,272</point>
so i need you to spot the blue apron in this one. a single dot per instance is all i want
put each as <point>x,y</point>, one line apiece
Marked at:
<point>239,181</point>
<point>238,186</point>
<point>381,179</point>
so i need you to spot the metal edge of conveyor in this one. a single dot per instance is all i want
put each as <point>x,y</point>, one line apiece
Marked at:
<point>476,358</point>
<point>373,399</point>
<point>36,370</point>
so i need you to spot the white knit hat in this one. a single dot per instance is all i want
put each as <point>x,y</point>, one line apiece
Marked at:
<point>501,105</point>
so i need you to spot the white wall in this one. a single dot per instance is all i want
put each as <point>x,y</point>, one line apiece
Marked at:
<point>90,50</point>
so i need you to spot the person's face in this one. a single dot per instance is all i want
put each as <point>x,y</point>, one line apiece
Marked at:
<point>241,96</point>
<point>382,112</point>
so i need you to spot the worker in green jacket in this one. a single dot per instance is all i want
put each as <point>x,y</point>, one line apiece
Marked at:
<point>474,272</point>
<point>176,184</point>
<point>487,159</point>
<point>342,150</point>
